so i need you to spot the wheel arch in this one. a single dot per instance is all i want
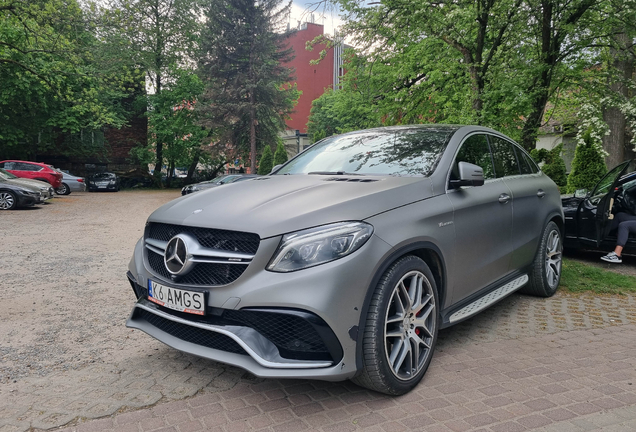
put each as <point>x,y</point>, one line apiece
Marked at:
<point>427,252</point>
<point>558,220</point>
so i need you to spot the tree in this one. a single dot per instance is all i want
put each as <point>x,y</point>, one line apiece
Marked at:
<point>158,36</point>
<point>280,155</point>
<point>266,163</point>
<point>553,165</point>
<point>588,166</point>
<point>51,84</point>
<point>173,122</point>
<point>242,61</point>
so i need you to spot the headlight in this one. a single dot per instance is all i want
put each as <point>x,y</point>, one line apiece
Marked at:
<point>315,246</point>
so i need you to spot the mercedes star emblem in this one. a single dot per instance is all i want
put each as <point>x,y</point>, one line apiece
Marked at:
<point>176,256</point>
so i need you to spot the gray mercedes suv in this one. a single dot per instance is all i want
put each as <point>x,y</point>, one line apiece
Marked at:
<point>346,261</point>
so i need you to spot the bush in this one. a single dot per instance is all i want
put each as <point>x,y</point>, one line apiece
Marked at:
<point>267,161</point>
<point>280,156</point>
<point>553,166</point>
<point>588,166</point>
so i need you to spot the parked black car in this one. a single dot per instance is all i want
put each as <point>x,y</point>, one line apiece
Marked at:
<point>588,214</point>
<point>104,181</point>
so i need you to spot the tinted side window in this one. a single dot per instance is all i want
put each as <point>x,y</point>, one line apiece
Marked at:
<point>504,157</point>
<point>524,167</point>
<point>21,166</point>
<point>475,150</point>
<point>531,163</point>
<point>9,165</point>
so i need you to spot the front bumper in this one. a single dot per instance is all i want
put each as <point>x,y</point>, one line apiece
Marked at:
<point>333,293</point>
<point>26,199</point>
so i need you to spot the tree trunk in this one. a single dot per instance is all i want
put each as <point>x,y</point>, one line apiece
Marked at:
<point>252,134</point>
<point>615,143</point>
<point>159,150</point>
<point>193,165</point>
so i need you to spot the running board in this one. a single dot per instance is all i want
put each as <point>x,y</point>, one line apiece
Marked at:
<point>489,299</point>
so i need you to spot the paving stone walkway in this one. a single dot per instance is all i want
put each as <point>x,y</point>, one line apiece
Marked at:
<point>569,381</point>
<point>524,364</point>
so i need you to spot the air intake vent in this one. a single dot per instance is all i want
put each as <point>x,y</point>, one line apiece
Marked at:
<point>352,180</point>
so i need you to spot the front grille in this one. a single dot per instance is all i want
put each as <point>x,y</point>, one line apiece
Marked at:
<point>234,241</point>
<point>294,337</point>
<point>193,335</point>
<point>201,274</point>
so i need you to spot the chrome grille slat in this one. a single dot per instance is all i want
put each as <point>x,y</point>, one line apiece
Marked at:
<point>219,258</point>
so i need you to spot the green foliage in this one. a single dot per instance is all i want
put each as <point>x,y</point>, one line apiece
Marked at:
<point>173,120</point>
<point>553,164</point>
<point>587,167</point>
<point>51,83</point>
<point>243,61</point>
<point>280,155</point>
<point>581,277</point>
<point>267,161</point>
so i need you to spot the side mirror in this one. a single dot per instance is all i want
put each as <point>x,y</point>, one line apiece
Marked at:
<point>469,175</point>
<point>580,193</point>
<point>276,168</point>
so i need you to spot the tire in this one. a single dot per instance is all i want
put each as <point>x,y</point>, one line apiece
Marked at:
<point>63,189</point>
<point>8,201</point>
<point>546,269</point>
<point>403,315</point>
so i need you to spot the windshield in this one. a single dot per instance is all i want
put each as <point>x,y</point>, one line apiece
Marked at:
<point>409,152</point>
<point>104,176</point>
<point>7,174</point>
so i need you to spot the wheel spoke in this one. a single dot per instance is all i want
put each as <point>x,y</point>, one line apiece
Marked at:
<point>405,349</point>
<point>396,332</point>
<point>415,355</point>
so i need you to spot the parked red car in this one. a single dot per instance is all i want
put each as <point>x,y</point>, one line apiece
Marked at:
<point>33,170</point>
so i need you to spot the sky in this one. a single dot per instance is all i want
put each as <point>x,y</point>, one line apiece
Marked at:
<point>301,11</point>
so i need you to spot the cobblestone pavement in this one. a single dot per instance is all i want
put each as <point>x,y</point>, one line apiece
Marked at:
<point>559,364</point>
<point>567,381</point>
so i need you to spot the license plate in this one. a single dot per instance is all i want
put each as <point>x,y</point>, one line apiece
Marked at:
<point>192,302</point>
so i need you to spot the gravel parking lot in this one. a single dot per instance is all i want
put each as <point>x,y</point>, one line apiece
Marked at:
<point>66,355</point>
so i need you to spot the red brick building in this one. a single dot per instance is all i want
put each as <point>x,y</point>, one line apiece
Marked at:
<point>312,80</point>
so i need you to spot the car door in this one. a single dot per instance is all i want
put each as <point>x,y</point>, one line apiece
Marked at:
<point>482,216</point>
<point>593,215</point>
<point>528,193</point>
<point>27,170</point>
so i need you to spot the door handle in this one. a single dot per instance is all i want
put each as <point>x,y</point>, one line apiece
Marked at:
<point>540,193</point>
<point>504,198</point>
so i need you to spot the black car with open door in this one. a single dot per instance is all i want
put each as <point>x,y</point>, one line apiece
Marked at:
<point>589,214</point>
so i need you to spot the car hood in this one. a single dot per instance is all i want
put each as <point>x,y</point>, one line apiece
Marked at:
<point>20,184</point>
<point>33,183</point>
<point>275,205</point>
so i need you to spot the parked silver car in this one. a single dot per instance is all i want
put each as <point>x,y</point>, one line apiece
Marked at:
<point>347,260</point>
<point>45,188</point>
<point>70,183</point>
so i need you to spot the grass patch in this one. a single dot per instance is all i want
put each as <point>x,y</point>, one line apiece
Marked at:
<point>579,277</point>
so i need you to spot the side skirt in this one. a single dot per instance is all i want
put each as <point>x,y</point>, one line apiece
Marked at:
<point>483,300</point>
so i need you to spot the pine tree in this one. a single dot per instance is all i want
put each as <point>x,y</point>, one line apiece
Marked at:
<point>587,167</point>
<point>243,62</point>
<point>280,156</point>
<point>267,162</point>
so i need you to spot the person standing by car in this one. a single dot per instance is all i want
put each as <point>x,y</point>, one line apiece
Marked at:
<point>626,224</point>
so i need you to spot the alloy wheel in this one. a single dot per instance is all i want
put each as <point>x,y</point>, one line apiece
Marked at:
<point>411,319</point>
<point>553,258</point>
<point>7,201</point>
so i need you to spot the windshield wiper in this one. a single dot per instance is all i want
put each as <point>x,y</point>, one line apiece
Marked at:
<point>332,173</point>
